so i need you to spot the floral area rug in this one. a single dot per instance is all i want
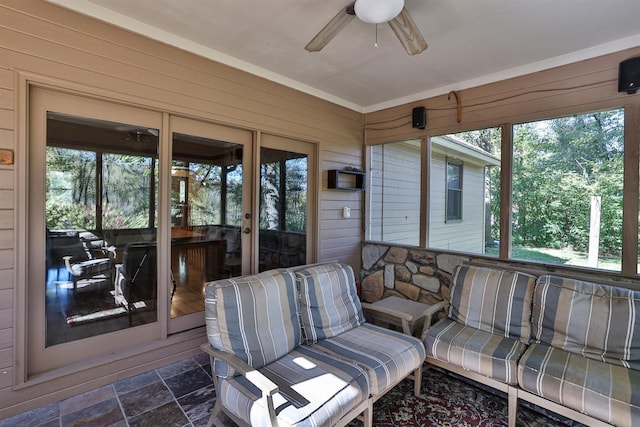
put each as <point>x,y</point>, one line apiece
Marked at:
<point>451,401</point>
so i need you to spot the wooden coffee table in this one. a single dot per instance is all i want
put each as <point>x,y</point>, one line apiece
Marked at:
<point>399,312</point>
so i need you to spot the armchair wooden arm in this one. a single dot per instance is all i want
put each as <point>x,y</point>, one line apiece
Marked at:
<point>267,387</point>
<point>429,312</point>
<point>385,314</point>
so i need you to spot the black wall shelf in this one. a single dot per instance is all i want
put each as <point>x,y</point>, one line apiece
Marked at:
<point>345,180</point>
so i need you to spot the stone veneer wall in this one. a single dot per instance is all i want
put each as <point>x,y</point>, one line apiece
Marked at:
<point>425,275</point>
<point>417,274</point>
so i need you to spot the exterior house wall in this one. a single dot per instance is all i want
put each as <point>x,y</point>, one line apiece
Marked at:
<point>53,47</point>
<point>395,193</point>
<point>465,235</point>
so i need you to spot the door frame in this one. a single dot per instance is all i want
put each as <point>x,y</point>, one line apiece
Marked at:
<point>205,129</point>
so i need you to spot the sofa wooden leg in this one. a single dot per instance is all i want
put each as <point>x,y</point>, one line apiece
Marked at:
<point>367,415</point>
<point>417,381</point>
<point>513,406</point>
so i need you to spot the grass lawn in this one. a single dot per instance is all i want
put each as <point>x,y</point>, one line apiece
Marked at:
<point>558,256</point>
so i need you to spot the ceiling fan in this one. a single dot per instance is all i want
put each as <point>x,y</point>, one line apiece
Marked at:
<point>374,12</point>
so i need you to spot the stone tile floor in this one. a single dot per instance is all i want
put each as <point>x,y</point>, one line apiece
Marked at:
<point>180,394</point>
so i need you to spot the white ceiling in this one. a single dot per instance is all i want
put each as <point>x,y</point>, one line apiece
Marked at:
<point>471,42</point>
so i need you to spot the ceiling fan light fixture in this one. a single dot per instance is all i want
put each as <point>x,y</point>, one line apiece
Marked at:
<point>378,11</point>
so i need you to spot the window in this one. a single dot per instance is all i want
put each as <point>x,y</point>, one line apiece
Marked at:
<point>464,176</point>
<point>394,214</point>
<point>284,178</point>
<point>567,182</point>
<point>206,204</point>
<point>454,191</point>
<point>566,191</point>
<point>132,216</point>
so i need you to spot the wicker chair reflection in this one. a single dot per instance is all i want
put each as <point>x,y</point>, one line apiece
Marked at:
<point>89,261</point>
<point>136,280</point>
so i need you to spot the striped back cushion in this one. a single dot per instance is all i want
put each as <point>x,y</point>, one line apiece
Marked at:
<point>254,317</point>
<point>598,321</point>
<point>493,300</point>
<point>329,304</point>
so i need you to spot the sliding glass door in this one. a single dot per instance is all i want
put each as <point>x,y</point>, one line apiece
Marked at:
<point>286,196</point>
<point>133,211</point>
<point>210,207</point>
<point>93,199</point>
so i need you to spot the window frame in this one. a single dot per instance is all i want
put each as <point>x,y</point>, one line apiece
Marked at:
<point>448,199</point>
<point>630,263</point>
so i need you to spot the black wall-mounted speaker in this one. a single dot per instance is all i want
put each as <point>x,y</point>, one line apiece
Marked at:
<point>629,76</point>
<point>419,118</point>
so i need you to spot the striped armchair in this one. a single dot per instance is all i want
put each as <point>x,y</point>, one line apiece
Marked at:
<point>570,346</point>
<point>586,353</point>
<point>262,374</point>
<point>487,328</point>
<point>291,347</point>
<point>333,322</point>
<point>488,324</point>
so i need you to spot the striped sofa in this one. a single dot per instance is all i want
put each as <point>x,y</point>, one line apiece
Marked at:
<point>290,347</point>
<point>570,346</point>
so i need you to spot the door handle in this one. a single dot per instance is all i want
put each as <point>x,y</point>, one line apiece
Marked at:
<point>246,230</point>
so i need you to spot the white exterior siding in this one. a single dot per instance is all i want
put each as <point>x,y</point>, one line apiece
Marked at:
<point>468,234</point>
<point>395,193</point>
<point>395,200</point>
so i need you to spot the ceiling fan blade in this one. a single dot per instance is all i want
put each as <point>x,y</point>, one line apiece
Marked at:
<point>408,33</point>
<point>331,29</point>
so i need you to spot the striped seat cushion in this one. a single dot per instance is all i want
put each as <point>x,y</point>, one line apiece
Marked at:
<point>329,304</point>
<point>475,350</point>
<point>493,300</point>
<point>324,390</point>
<point>387,356</point>
<point>254,317</point>
<point>608,392</point>
<point>597,321</point>
<point>92,267</point>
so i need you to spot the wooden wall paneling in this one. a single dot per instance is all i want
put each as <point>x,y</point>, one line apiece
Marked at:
<point>6,260</point>
<point>6,119</point>
<point>6,371</point>
<point>233,89</point>
<point>140,46</point>
<point>6,278</point>
<point>6,197</point>
<point>6,78</point>
<point>593,83</point>
<point>6,316</point>
<point>6,219</point>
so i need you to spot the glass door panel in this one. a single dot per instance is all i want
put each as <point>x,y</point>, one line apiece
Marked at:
<point>93,215</point>
<point>285,177</point>
<point>207,205</point>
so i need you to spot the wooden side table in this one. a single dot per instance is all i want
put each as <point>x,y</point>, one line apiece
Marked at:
<point>401,312</point>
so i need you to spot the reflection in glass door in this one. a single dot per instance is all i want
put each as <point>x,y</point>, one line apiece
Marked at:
<point>284,202</point>
<point>100,214</point>
<point>206,215</point>
<point>208,206</point>
<point>92,219</point>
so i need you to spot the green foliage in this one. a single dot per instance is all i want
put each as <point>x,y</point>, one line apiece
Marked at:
<point>558,165</point>
<point>60,217</point>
